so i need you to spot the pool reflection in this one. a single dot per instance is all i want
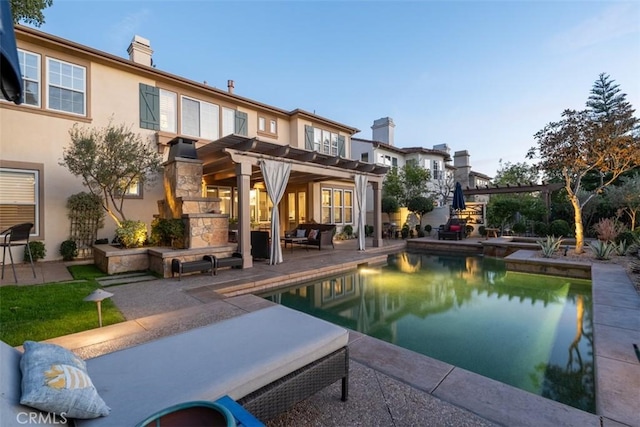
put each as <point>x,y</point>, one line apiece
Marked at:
<point>533,332</point>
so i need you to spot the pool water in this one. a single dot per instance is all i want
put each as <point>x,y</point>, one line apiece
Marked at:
<point>533,332</point>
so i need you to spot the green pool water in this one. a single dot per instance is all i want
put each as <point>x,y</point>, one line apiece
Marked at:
<point>533,332</point>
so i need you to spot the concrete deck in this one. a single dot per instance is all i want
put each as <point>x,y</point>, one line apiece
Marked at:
<point>389,385</point>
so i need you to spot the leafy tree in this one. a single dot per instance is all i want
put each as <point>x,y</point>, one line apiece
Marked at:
<point>602,139</point>
<point>389,205</point>
<point>29,11</point>
<point>626,197</point>
<point>110,160</point>
<point>392,185</point>
<point>415,179</point>
<point>420,205</point>
<point>516,173</point>
<point>406,183</point>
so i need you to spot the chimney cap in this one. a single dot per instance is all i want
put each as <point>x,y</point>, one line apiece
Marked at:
<point>141,40</point>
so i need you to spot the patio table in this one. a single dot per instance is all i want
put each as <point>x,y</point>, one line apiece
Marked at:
<point>292,240</point>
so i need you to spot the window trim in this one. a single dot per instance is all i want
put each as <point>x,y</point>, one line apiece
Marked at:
<point>332,191</point>
<point>269,122</point>
<point>49,84</point>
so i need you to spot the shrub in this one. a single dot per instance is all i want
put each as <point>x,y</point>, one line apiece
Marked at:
<point>167,232</point>
<point>68,250</point>
<point>132,234</point>
<point>348,230</point>
<point>428,228</point>
<point>607,229</point>
<point>468,229</point>
<point>601,249</point>
<point>626,236</point>
<point>549,245</point>
<point>404,232</point>
<point>540,228</point>
<point>38,251</point>
<point>560,228</point>
<point>368,230</point>
<point>519,228</point>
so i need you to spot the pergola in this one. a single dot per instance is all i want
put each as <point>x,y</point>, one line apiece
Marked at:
<point>234,160</point>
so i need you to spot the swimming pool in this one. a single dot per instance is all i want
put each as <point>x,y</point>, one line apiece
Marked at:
<point>533,332</point>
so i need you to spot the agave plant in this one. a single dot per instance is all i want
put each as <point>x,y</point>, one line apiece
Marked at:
<point>602,250</point>
<point>622,247</point>
<point>550,245</point>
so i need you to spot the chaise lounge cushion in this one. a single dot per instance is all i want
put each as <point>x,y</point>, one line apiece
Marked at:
<point>234,357</point>
<point>56,380</point>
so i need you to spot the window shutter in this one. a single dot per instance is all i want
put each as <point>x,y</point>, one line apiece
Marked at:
<point>341,148</point>
<point>241,123</point>
<point>308,137</point>
<point>149,107</point>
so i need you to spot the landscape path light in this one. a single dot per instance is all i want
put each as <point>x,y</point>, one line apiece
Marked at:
<point>97,296</point>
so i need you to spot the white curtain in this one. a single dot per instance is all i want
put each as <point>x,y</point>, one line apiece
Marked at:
<point>276,177</point>
<point>361,199</point>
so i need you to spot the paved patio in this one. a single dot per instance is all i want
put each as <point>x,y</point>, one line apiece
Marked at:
<point>388,386</point>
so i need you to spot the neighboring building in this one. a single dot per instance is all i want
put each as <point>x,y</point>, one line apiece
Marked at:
<point>69,84</point>
<point>437,160</point>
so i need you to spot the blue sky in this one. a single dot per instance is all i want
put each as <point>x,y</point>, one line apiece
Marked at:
<point>479,76</point>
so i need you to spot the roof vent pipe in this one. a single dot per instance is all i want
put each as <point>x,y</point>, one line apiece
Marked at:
<point>230,86</point>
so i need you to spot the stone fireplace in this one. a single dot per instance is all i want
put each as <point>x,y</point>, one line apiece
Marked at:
<point>205,225</point>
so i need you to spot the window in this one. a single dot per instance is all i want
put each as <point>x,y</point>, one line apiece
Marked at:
<point>199,118</point>
<point>134,190</point>
<point>228,121</point>
<point>364,157</point>
<point>437,173</point>
<point>30,67</point>
<point>19,197</point>
<point>324,141</point>
<point>272,124</point>
<point>66,87</point>
<point>224,194</point>
<point>168,111</point>
<point>337,206</point>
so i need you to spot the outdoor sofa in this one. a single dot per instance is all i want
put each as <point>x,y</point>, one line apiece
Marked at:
<point>322,235</point>
<point>454,229</point>
<point>266,360</point>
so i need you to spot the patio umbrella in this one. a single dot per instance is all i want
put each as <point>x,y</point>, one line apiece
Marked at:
<point>11,78</point>
<point>458,198</point>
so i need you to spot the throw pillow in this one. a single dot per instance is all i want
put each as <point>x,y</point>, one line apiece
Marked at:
<point>313,234</point>
<point>56,380</point>
<point>300,232</point>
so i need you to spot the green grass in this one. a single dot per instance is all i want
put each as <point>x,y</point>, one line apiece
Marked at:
<point>50,310</point>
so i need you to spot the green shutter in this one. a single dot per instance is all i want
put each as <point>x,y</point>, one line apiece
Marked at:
<point>241,123</point>
<point>149,107</point>
<point>341,146</point>
<point>308,137</point>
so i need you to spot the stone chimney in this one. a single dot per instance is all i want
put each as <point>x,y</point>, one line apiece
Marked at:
<point>140,51</point>
<point>383,130</point>
<point>463,167</point>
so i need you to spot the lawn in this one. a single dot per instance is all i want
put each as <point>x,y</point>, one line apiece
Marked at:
<point>50,310</point>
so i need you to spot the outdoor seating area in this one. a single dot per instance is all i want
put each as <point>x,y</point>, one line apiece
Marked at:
<point>240,358</point>
<point>318,235</point>
<point>454,229</point>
